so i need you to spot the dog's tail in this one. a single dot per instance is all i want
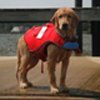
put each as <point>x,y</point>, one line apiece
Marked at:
<point>18,62</point>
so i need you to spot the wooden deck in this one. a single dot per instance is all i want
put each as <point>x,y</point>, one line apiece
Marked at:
<point>83,81</point>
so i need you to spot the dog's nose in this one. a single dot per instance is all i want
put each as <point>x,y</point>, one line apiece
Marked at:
<point>65,26</point>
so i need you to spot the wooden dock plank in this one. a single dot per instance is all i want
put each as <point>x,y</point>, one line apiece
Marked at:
<point>83,81</point>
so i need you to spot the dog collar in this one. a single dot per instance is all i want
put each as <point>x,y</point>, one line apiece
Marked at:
<point>66,38</point>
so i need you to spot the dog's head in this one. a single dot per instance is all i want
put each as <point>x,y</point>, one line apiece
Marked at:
<point>66,21</point>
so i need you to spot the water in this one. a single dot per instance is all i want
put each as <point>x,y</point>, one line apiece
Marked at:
<point>8,44</point>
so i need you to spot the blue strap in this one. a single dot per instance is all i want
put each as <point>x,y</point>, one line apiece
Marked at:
<point>71,45</point>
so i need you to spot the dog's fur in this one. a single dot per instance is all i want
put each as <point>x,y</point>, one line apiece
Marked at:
<point>65,21</point>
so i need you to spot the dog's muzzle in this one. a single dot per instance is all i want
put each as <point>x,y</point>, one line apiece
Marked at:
<point>64,26</point>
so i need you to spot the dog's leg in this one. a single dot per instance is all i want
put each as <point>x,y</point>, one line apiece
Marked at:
<point>31,64</point>
<point>51,60</point>
<point>51,72</point>
<point>22,72</point>
<point>26,64</point>
<point>63,75</point>
<point>64,68</point>
<point>22,61</point>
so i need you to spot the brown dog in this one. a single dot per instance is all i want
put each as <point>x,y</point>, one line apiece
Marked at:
<point>65,21</point>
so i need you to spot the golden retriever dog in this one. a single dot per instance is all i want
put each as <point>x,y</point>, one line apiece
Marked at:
<point>65,21</point>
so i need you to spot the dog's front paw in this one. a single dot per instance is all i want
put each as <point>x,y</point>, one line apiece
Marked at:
<point>54,90</point>
<point>25,85</point>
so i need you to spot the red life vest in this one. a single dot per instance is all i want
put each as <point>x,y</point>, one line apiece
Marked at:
<point>37,38</point>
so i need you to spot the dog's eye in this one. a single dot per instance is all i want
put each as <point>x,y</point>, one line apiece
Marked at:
<point>60,16</point>
<point>69,16</point>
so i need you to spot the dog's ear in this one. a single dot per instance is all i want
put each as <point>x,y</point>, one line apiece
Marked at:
<point>75,21</point>
<point>53,19</point>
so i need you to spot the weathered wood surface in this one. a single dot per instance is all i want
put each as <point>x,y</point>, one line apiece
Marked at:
<point>83,81</point>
